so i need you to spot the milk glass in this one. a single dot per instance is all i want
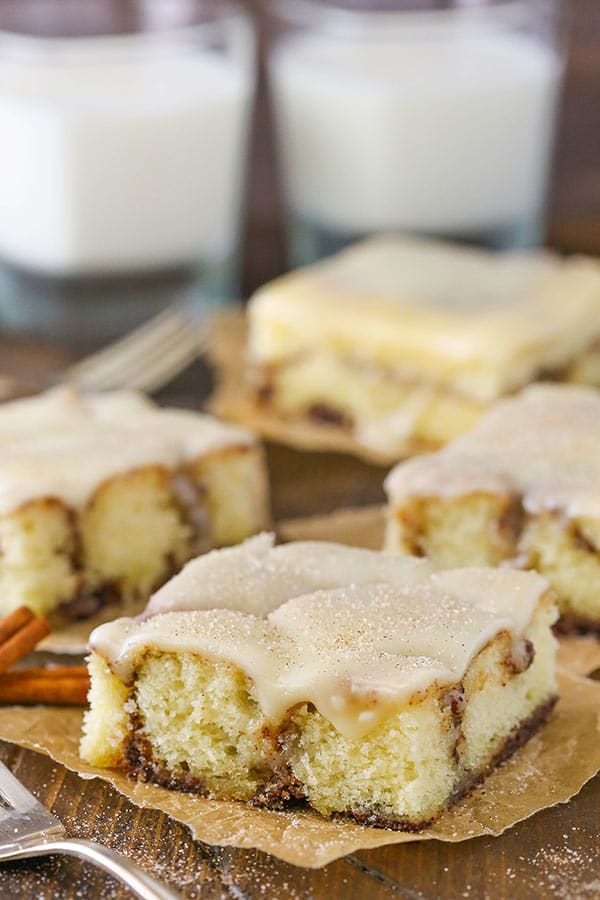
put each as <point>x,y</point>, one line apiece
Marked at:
<point>123,130</point>
<point>431,118</point>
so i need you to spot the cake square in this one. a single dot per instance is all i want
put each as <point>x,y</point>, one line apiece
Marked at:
<point>103,497</point>
<point>362,683</point>
<point>521,489</point>
<point>396,345</point>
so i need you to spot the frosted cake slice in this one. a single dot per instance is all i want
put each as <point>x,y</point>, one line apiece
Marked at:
<point>397,345</point>
<point>103,497</point>
<point>359,682</point>
<point>521,489</point>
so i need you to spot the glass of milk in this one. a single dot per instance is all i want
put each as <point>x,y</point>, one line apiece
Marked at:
<point>435,118</point>
<point>123,127</point>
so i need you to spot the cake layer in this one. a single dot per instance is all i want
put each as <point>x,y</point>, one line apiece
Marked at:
<point>103,497</point>
<point>356,680</point>
<point>521,488</point>
<point>382,412</point>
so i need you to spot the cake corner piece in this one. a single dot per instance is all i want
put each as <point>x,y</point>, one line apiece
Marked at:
<point>521,489</point>
<point>106,495</point>
<point>396,345</point>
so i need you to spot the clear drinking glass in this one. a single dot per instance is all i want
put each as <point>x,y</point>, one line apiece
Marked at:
<point>123,131</point>
<point>435,118</point>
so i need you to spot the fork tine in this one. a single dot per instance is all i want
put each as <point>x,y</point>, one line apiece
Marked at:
<point>28,829</point>
<point>140,341</point>
<point>21,814</point>
<point>130,364</point>
<point>135,360</point>
<point>157,325</point>
<point>166,367</point>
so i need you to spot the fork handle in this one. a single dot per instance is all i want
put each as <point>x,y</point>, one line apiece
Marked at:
<point>141,884</point>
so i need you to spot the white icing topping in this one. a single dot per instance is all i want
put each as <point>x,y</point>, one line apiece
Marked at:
<point>482,323</point>
<point>65,444</point>
<point>542,444</point>
<point>257,577</point>
<point>355,632</point>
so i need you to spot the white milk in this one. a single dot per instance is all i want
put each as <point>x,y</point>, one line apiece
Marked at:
<point>124,165</point>
<point>443,133</point>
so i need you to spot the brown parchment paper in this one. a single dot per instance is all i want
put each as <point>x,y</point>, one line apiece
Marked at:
<point>579,655</point>
<point>360,527</point>
<point>232,399</point>
<point>72,637</point>
<point>550,769</point>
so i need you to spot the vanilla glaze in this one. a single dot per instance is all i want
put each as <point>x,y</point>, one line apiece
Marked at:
<point>354,632</point>
<point>64,443</point>
<point>542,445</point>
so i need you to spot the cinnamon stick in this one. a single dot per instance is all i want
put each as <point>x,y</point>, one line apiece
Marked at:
<point>13,622</point>
<point>64,685</point>
<point>19,633</point>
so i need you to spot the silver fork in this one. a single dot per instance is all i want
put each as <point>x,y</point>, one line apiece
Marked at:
<point>28,829</point>
<point>147,358</point>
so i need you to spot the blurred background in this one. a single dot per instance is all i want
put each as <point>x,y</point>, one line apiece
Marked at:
<point>138,157</point>
<point>574,194</point>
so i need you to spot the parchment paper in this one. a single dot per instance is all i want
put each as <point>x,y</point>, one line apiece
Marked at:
<point>72,637</point>
<point>579,655</point>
